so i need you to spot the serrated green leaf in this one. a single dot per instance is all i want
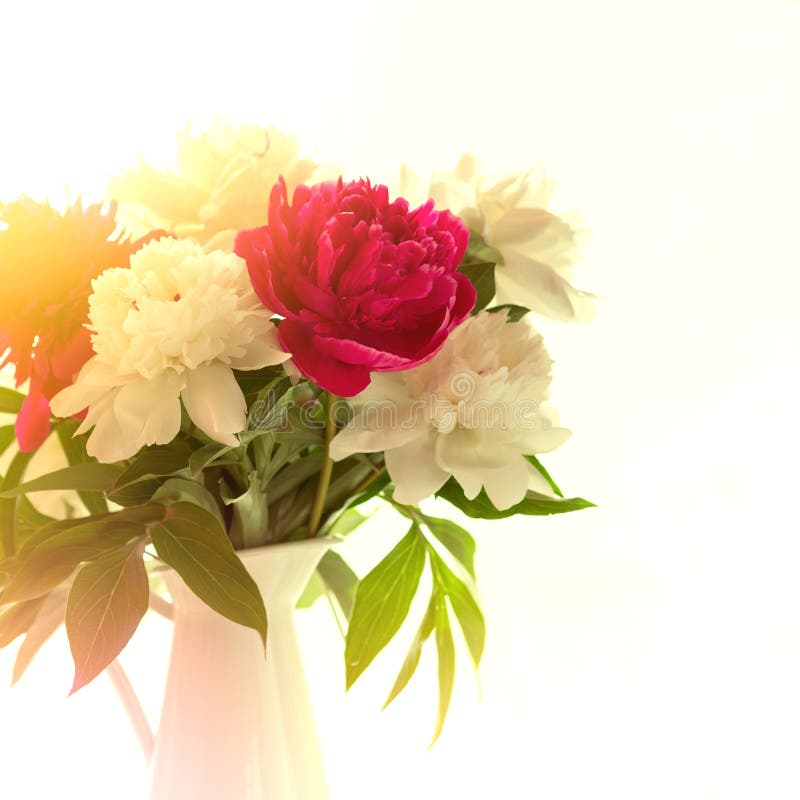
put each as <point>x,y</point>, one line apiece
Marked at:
<point>465,607</point>
<point>415,651</point>
<point>10,401</point>
<point>545,474</point>
<point>534,504</point>
<point>195,545</point>
<point>47,622</point>
<point>446,652</point>
<point>17,619</point>
<point>458,542</point>
<point>383,599</point>
<point>481,275</point>
<point>91,476</point>
<point>515,313</point>
<point>106,602</point>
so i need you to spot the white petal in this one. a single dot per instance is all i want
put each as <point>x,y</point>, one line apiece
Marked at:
<point>507,486</point>
<point>106,443</point>
<point>215,402</point>
<point>470,455</point>
<point>539,287</point>
<point>263,351</point>
<point>542,434</point>
<point>149,411</point>
<point>413,470</point>
<point>75,398</point>
<point>377,428</point>
<point>519,225</point>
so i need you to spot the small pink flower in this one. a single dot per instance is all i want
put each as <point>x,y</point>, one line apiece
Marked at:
<point>363,284</point>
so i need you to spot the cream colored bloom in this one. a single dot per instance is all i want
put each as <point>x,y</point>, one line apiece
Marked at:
<point>222,184</point>
<point>538,248</point>
<point>170,328</point>
<point>473,411</point>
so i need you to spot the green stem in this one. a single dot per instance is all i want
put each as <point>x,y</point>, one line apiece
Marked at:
<point>315,517</point>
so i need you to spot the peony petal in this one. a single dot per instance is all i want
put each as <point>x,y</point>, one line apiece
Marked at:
<point>539,287</point>
<point>264,351</point>
<point>81,395</point>
<point>148,411</point>
<point>414,471</point>
<point>344,380</point>
<point>215,402</point>
<point>375,428</point>
<point>507,486</point>
<point>519,225</point>
<point>106,443</point>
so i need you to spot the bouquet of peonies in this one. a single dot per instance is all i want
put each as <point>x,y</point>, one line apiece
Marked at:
<point>234,355</point>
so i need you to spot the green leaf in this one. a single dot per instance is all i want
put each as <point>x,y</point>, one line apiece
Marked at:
<point>545,474</point>
<point>10,401</point>
<point>47,622</point>
<point>481,274</point>
<point>291,476</point>
<point>107,601</point>
<point>80,477</point>
<point>465,607</point>
<point>7,436</point>
<point>18,619</point>
<point>75,451</point>
<point>458,542</point>
<point>136,494</point>
<point>154,462</point>
<point>205,456</point>
<point>534,504</point>
<point>346,523</point>
<point>446,651</point>
<point>337,575</point>
<point>377,485</point>
<point>479,250</point>
<point>515,313</point>
<point>415,651</point>
<point>183,490</point>
<point>56,552</point>
<point>196,546</point>
<point>8,506</point>
<point>382,602</point>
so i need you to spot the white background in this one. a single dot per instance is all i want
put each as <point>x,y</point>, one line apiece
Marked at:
<point>646,649</point>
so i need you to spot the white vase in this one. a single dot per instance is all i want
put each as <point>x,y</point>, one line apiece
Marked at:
<point>234,724</point>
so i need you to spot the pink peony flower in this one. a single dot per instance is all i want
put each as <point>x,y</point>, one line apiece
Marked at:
<point>363,284</point>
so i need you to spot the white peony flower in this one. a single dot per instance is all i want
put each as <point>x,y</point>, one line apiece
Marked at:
<point>538,248</point>
<point>221,186</point>
<point>170,328</point>
<point>473,411</point>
